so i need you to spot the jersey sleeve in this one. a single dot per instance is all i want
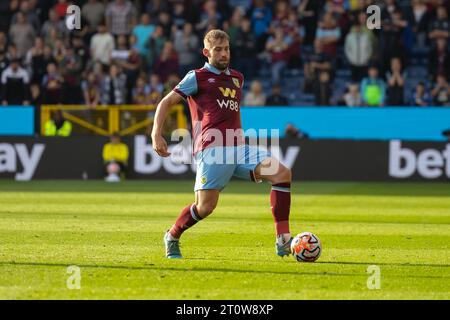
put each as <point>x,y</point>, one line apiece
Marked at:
<point>188,86</point>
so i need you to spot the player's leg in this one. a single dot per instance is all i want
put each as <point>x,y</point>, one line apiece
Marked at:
<point>210,179</point>
<point>280,177</point>
<point>258,165</point>
<point>205,203</point>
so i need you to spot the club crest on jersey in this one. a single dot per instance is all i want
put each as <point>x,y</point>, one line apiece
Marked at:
<point>236,82</point>
<point>227,92</point>
<point>203,180</point>
<point>211,80</point>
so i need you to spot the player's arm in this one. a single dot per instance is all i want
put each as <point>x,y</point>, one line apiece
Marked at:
<point>187,87</point>
<point>163,108</point>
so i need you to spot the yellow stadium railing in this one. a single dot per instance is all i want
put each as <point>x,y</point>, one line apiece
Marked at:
<point>105,120</point>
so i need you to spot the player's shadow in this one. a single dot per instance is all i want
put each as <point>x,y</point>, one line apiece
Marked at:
<point>151,267</point>
<point>405,264</point>
<point>385,264</point>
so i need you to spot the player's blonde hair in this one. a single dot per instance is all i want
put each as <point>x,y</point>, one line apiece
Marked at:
<point>214,35</point>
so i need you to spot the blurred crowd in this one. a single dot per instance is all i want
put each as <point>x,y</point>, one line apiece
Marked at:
<point>133,52</point>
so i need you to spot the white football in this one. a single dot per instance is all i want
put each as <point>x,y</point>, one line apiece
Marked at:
<point>306,247</point>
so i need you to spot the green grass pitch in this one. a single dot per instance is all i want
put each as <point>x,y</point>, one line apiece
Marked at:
<point>113,233</point>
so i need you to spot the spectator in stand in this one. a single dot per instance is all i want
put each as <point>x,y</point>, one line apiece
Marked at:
<point>358,50</point>
<point>130,63</point>
<point>15,84</point>
<point>143,31</point>
<point>36,101</point>
<point>391,44</point>
<point>153,8</point>
<point>7,9</point>
<point>156,90</point>
<point>280,16</point>
<point>99,70</point>
<point>94,13</point>
<point>35,61</point>
<point>155,46</point>
<point>209,17</point>
<point>91,91</point>
<point>323,91</point>
<point>340,12</point>
<point>102,45</point>
<point>373,89</point>
<point>292,32</point>
<point>179,15</point>
<point>132,67</point>
<point>53,23</point>
<point>233,26</point>
<point>256,96</point>
<point>61,8</point>
<point>440,27</point>
<point>261,17</point>
<point>31,16</point>
<point>22,34</point>
<point>388,7</point>
<point>245,50</point>
<point>277,46</point>
<point>59,50</point>
<point>48,58</point>
<point>121,17</point>
<point>439,59</point>
<point>51,38</point>
<point>166,24</point>
<point>396,82</point>
<point>141,91</point>
<point>308,12</point>
<point>113,88</point>
<point>3,41</point>
<point>314,64</point>
<point>361,18</point>
<point>441,91</point>
<point>52,84</point>
<point>352,98</point>
<point>276,98</point>
<point>187,44</point>
<point>419,18</point>
<point>12,52</point>
<point>296,33</point>
<point>80,50</point>
<point>167,63</point>
<point>420,96</point>
<point>70,67</point>
<point>328,35</point>
<point>121,51</point>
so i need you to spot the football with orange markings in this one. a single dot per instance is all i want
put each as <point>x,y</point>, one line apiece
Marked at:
<point>306,247</point>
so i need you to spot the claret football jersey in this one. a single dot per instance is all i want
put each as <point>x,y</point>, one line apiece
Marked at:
<point>214,99</point>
